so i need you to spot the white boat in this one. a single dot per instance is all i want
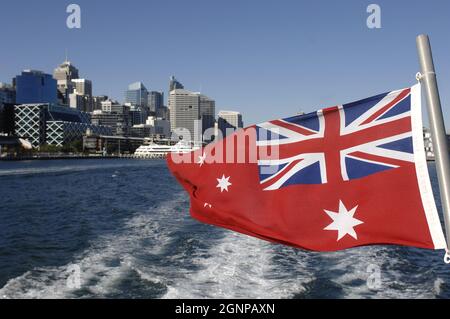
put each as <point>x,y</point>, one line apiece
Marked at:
<point>154,150</point>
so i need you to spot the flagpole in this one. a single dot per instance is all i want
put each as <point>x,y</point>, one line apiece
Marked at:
<point>428,78</point>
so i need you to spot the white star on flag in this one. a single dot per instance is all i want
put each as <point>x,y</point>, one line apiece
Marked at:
<point>201,159</point>
<point>344,222</point>
<point>224,183</point>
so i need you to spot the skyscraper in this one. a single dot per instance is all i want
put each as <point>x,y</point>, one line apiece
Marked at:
<point>155,101</point>
<point>174,84</point>
<point>35,87</point>
<point>207,112</point>
<point>82,86</point>
<point>64,74</point>
<point>184,111</point>
<point>137,95</point>
<point>7,94</point>
<point>81,96</point>
<point>191,110</point>
<point>229,121</point>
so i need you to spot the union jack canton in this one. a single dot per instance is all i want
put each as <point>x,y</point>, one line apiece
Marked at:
<point>337,144</point>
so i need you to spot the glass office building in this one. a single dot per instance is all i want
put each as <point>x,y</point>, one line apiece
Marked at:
<point>35,87</point>
<point>137,95</point>
<point>54,125</point>
<point>155,101</point>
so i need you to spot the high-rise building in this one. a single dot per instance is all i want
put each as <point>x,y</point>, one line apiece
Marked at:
<point>174,84</point>
<point>137,95</point>
<point>163,112</point>
<point>229,121</point>
<point>7,94</point>
<point>155,101</point>
<point>84,103</point>
<point>207,112</point>
<point>82,86</point>
<point>114,115</point>
<point>97,102</point>
<point>7,119</point>
<point>185,111</point>
<point>192,111</point>
<point>138,114</point>
<point>81,96</point>
<point>64,74</point>
<point>35,87</point>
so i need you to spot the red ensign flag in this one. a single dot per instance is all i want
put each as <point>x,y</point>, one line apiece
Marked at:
<point>345,176</point>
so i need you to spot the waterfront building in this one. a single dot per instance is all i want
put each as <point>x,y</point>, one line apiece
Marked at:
<point>141,130</point>
<point>114,115</point>
<point>192,111</point>
<point>152,127</point>
<point>137,95</point>
<point>428,143</point>
<point>7,94</point>
<point>138,114</point>
<point>174,84</point>
<point>7,119</point>
<point>184,108</point>
<point>229,121</point>
<point>35,87</point>
<point>161,126</point>
<point>155,101</point>
<point>54,125</point>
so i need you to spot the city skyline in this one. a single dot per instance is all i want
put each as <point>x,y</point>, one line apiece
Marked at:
<point>288,51</point>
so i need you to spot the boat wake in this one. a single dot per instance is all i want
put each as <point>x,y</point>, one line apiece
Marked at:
<point>163,253</point>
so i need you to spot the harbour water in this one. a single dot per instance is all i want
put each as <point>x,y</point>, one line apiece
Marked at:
<point>123,228</point>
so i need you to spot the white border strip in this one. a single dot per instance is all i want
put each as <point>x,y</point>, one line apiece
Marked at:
<point>423,178</point>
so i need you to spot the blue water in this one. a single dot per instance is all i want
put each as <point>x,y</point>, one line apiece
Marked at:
<point>124,226</point>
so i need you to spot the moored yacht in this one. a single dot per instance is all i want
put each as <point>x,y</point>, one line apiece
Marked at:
<point>156,150</point>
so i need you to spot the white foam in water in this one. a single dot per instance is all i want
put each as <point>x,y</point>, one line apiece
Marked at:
<point>238,267</point>
<point>353,271</point>
<point>99,271</point>
<point>232,266</point>
<point>437,285</point>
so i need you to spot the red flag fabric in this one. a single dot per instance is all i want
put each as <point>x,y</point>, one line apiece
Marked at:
<point>346,176</point>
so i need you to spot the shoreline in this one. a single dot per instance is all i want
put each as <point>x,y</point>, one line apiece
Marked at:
<point>63,157</point>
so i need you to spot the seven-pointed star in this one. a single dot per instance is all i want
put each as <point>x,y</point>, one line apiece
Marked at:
<point>201,159</point>
<point>224,183</point>
<point>344,222</point>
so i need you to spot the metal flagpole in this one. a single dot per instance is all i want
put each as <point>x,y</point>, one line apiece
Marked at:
<point>441,151</point>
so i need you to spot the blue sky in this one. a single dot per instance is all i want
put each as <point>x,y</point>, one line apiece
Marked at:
<point>267,59</point>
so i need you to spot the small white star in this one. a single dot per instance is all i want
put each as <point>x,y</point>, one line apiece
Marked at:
<point>224,183</point>
<point>344,222</point>
<point>201,159</point>
<point>207,205</point>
